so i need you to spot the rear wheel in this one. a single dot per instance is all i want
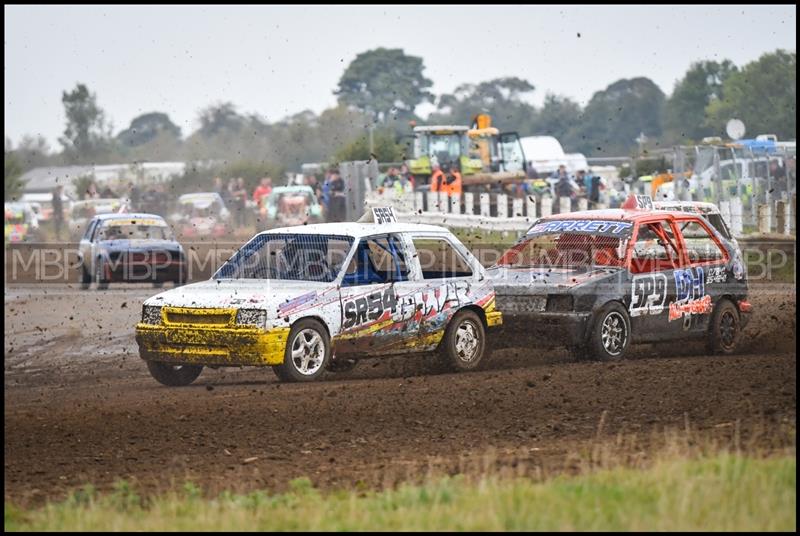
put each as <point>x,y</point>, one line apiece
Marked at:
<point>724,328</point>
<point>174,375</point>
<point>85,278</point>
<point>308,351</point>
<point>99,275</point>
<point>464,342</point>
<point>611,333</point>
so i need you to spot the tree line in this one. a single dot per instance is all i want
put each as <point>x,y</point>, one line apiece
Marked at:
<point>382,88</point>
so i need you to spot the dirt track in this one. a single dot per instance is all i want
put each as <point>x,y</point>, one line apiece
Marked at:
<point>80,406</point>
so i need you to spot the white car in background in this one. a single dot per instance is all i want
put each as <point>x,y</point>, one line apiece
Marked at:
<point>316,297</point>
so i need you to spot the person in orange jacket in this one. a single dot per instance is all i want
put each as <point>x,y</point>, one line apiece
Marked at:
<point>447,180</point>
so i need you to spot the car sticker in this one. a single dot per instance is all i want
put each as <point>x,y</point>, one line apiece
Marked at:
<point>691,297</point>
<point>648,294</point>
<point>598,227</point>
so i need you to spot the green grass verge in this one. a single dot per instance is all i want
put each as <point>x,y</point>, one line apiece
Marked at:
<point>722,492</point>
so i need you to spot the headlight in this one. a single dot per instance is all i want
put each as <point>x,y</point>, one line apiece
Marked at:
<point>251,317</point>
<point>151,314</point>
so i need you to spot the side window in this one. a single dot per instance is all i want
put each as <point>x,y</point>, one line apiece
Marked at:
<point>439,259</point>
<point>87,235</point>
<point>655,248</point>
<point>95,231</point>
<point>700,245</point>
<point>377,260</point>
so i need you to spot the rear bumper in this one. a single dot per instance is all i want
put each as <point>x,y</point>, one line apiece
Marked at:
<point>211,345</point>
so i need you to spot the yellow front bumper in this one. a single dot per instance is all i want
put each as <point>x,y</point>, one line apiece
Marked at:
<point>494,318</point>
<point>211,345</point>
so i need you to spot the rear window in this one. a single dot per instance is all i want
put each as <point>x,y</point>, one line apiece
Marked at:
<point>568,243</point>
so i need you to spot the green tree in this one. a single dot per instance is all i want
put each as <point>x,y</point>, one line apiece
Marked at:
<point>219,118</point>
<point>146,128</point>
<point>763,94</point>
<point>558,118</point>
<point>615,117</point>
<point>501,98</point>
<point>13,184</point>
<point>86,134</point>
<point>386,84</point>
<point>386,148</point>
<point>685,111</point>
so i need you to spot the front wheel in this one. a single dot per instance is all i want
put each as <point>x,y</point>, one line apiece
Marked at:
<point>611,333</point>
<point>724,328</point>
<point>464,342</point>
<point>99,276</point>
<point>174,375</point>
<point>308,351</point>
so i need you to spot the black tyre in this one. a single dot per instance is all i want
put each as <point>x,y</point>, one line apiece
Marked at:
<point>464,343</point>
<point>174,375</point>
<point>85,277</point>
<point>342,365</point>
<point>724,329</point>
<point>308,351</point>
<point>99,276</point>
<point>611,333</point>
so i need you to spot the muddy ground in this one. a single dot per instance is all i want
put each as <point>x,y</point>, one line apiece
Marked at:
<point>81,407</point>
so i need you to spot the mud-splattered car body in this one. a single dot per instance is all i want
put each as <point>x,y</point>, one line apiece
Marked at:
<point>365,284</point>
<point>664,273</point>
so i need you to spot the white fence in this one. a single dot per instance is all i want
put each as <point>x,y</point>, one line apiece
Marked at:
<point>500,212</point>
<point>488,211</point>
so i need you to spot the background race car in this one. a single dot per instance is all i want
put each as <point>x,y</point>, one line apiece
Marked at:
<point>131,248</point>
<point>290,205</point>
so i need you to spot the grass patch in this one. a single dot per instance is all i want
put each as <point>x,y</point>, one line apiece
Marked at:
<point>719,492</point>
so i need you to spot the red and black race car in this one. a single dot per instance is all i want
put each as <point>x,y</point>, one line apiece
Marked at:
<point>598,280</point>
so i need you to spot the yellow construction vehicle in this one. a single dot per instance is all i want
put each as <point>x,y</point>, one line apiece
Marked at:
<point>483,155</point>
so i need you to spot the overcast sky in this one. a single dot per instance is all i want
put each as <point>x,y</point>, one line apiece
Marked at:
<point>279,60</point>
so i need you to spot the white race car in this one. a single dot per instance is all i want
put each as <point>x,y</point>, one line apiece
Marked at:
<point>306,299</point>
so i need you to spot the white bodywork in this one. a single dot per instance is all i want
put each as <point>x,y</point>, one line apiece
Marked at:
<point>352,312</point>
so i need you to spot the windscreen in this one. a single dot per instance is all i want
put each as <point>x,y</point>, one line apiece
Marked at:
<point>570,243</point>
<point>293,257</point>
<point>135,230</point>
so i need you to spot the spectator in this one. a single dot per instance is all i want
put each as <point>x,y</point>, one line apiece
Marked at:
<point>58,210</point>
<point>150,199</point>
<point>338,200</point>
<point>565,186</point>
<point>390,178</point>
<point>326,192</point>
<point>240,197</point>
<point>406,173</point>
<point>219,187</point>
<point>108,193</point>
<point>91,191</point>
<point>160,207</point>
<point>532,173</point>
<point>262,190</point>
<point>134,196</point>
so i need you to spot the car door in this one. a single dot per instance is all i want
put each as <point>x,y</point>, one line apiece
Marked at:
<point>373,315</point>
<point>655,259</point>
<point>85,247</point>
<point>707,266</point>
<point>445,279</point>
